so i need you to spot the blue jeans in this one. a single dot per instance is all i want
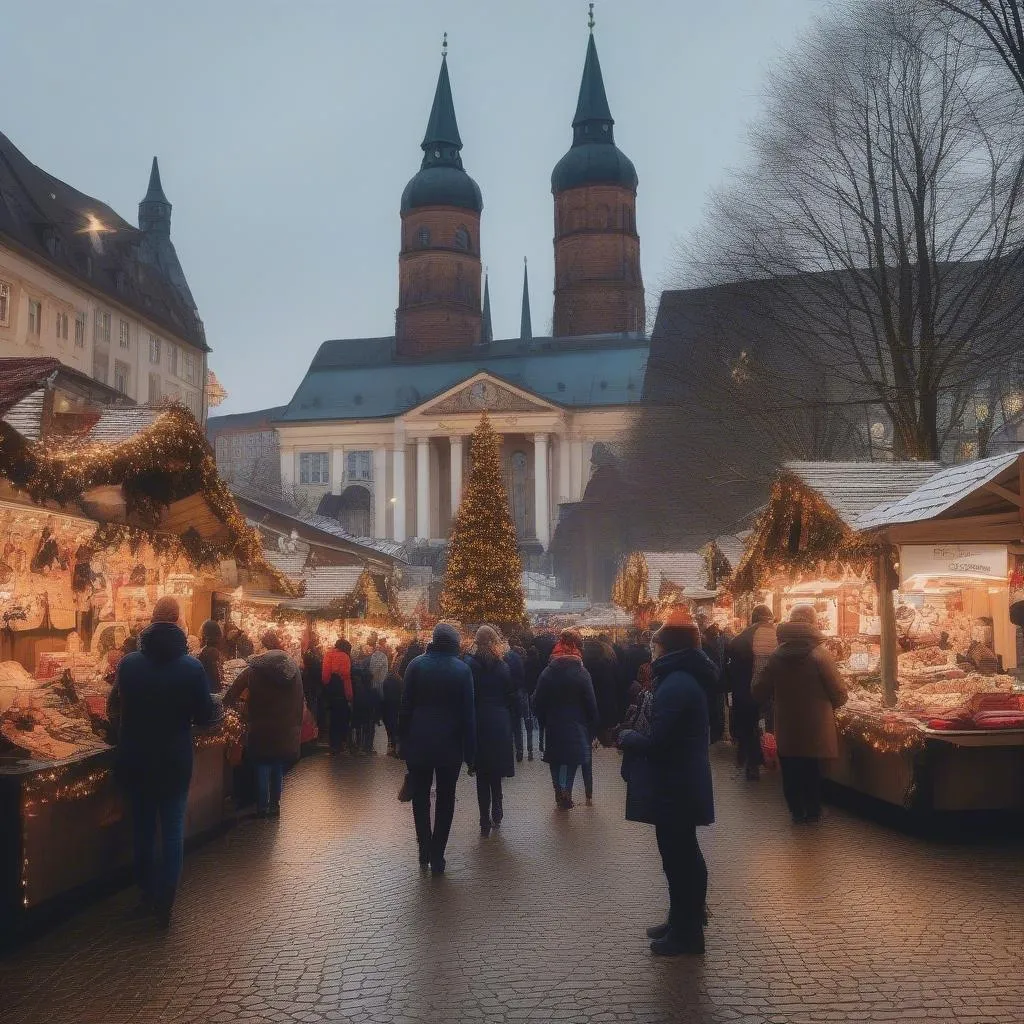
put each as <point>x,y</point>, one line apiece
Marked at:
<point>159,881</point>
<point>269,779</point>
<point>563,776</point>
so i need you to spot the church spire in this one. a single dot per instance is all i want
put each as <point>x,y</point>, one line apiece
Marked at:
<point>155,209</point>
<point>525,323</point>
<point>593,121</point>
<point>486,330</point>
<point>441,141</point>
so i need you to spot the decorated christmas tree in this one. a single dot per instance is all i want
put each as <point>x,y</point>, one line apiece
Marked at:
<point>483,578</point>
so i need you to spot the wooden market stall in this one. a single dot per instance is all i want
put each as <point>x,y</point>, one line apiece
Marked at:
<point>99,518</point>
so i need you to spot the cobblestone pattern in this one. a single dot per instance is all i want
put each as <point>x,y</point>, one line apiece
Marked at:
<point>324,916</point>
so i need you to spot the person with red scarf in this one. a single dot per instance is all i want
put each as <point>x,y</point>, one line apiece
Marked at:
<point>566,708</point>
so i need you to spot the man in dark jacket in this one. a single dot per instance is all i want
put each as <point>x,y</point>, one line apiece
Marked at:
<point>159,694</point>
<point>676,750</point>
<point>273,684</point>
<point>745,655</point>
<point>515,660</point>
<point>437,733</point>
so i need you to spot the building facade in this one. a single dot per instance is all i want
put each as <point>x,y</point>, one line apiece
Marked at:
<point>104,297</point>
<point>377,436</point>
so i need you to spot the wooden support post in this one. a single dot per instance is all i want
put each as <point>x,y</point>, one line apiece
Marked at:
<point>887,615</point>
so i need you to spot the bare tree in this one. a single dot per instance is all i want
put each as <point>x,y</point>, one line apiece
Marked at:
<point>1002,24</point>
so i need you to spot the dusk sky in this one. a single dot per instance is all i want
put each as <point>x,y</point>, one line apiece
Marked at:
<point>286,132</point>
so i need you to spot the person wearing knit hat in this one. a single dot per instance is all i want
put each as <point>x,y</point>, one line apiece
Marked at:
<point>745,658</point>
<point>566,708</point>
<point>802,679</point>
<point>437,733</point>
<point>668,778</point>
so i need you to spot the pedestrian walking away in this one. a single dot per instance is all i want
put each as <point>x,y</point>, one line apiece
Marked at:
<point>495,700</point>
<point>668,779</point>
<point>391,703</point>
<point>159,694</point>
<point>337,679</point>
<point>802,680</point>
<point>515,660</point>
<point>271,684</point>
<point>437,733</point>
<point>745,658</point>
<point>567,711</point>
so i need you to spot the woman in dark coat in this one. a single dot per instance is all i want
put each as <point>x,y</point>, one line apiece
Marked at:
<point>496,699</point>
<point>210,656</point>
<point>567,710</point>
<point>668,777</point>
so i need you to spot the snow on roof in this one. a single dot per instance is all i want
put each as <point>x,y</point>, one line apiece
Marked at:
<point>938,493</point>
<point>686,569</point>
<point>853,489</point>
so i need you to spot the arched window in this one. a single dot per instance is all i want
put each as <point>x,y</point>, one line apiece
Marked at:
<point>354,511</point>
<point>424,237</point>
<point>462,240</point>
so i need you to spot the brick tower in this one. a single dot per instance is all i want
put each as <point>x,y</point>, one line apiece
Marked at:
<point>598,286</point>
<point>439,267</point>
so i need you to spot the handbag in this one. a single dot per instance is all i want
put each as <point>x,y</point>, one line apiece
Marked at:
<point>641,788</point>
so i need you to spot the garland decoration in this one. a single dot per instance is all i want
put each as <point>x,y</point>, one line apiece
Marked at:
<point>887,734</point>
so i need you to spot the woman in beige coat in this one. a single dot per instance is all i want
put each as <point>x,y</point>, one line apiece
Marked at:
<point>802,679</point>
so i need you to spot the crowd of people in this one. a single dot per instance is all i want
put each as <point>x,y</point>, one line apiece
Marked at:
<point>478,699</point>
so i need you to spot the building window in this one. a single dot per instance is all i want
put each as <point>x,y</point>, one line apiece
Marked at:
<point>122,372</point>
<point>360,465</point>
<point>192,403</point>
<point>172,354</point>
<point>461,237</point>
<point>314,468</point>
<point>5,304</point>
<point>35,317</point>
<point>154,389</point>
<point>154,350</point>
<point>60,325</point>
<point>354,511</point>
<point>100,365</point>
<point>424,237</point>
<point>190,368</point>
<point>125,334</point>
<point>222,452</point>
<point>172,393</point>
<point>102,332</point>
<point>79,330</point>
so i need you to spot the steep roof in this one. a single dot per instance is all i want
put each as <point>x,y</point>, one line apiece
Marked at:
<point>592,103</point>
<point>49,219</point>
<point>243,420</point>
<point>442,128</point>
<point>940,493</point>
<point>362,379</point>
<point>686,569</point>
<point>854,488</point>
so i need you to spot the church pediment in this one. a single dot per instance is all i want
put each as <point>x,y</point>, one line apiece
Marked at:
<point>483,394</point>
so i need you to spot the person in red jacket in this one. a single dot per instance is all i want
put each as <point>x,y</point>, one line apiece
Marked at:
<point>337,678</point>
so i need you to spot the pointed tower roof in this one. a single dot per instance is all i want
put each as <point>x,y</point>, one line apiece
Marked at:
<point>486,329</point>
<point>155,192</point>
<point>525,322</point>
<point>592,105</point>
<point>442,128</point>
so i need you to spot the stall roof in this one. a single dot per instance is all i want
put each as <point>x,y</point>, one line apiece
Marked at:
<point>852,489</point>
<point>939,493</point>
<point>686,569</point>
<point>327,584</point>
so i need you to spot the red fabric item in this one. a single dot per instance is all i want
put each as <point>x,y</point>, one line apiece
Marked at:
<point>769,750</point>
<point>309,729</point>
<point>564,650</point>
<point>949,723</point>
<point>338,662</point>
<point>999,720</point>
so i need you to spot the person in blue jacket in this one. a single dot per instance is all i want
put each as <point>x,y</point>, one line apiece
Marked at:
<point>160,692</point>
<point>437,733</point>
<point>668,775</point>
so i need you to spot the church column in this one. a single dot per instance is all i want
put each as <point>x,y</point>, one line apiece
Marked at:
<point>423,488</point>
<point>456,474</point>
<point>337,470</point>
<point>576,470</point>
<point>564,477</point>
<point>398,491</point>
<point>542,510</point>
<point>380,493</point>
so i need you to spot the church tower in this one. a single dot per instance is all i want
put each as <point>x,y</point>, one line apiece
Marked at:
<point>439,267</point>
<point>598,286</point>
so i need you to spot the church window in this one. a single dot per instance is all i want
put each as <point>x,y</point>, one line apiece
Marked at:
<point>5,304</point>
<point>314,468</point>
<point>122,373</point>
<point>360,465</point>
<point>35,317</point>
<point>424,237</point>
<point>80,330</point>
<point>461,237</point>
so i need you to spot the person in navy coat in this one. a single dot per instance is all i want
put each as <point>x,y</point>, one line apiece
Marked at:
<point>668,775</point>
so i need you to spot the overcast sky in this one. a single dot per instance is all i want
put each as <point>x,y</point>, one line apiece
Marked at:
<point>287,129</point>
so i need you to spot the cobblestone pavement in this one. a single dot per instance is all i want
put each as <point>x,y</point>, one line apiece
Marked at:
<point>324,916</point>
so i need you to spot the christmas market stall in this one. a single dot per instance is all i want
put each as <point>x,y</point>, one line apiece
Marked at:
<point>950,736</point>
<point>100,515</point>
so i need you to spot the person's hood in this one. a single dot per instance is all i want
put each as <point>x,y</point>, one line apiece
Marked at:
<point>690,660</point>
<point>163,641</point>
<point>274,666</point>
<point>797,639</point>
<point>445,645</point>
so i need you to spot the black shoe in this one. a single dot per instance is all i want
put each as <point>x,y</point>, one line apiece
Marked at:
<point>753,774</point>
<point>658,931</point>
<point>529,757</point>
<point>424,857</point>
<point>485,829</point>
<point>144,908</point>
<point>812,819</point>
<point>519,758</point>
<point>261,812</point>
<point>437,866</point>
<point>275,811</point>
<point>496,817</point>
<point>674,944</point>
<point>798,818</point>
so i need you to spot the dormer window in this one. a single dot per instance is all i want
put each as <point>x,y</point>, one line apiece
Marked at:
<point>462,237</point>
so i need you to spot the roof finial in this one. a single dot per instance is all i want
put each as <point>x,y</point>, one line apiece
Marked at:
<point>590,20</point>
<point>444,45</point>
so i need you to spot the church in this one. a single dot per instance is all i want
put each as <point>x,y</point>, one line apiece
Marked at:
<point>377,433</point>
